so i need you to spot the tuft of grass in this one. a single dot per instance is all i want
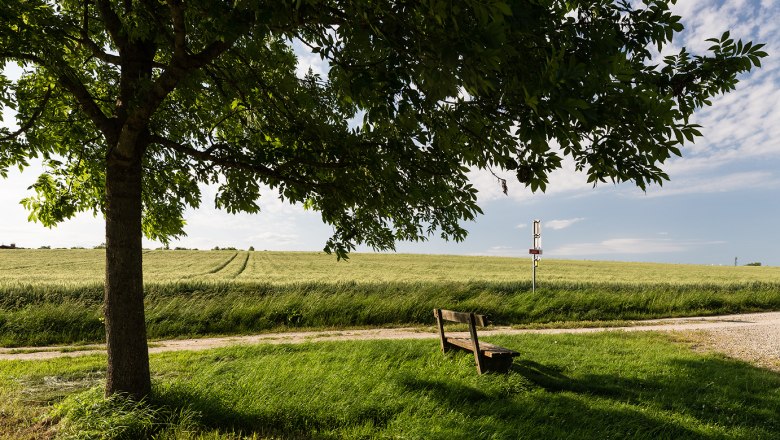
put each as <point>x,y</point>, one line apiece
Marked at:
<point>89,415</point>
<point>612,385</point>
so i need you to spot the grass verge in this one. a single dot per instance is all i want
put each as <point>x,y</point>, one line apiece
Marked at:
<point>613,385</point>
<point>44,315</point>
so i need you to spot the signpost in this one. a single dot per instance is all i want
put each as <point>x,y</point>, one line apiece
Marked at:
<point>536,252</point>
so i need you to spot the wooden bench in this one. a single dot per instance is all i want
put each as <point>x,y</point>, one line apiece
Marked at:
<point>489,357</point>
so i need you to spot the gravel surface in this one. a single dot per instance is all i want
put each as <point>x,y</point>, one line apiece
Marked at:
<point>751,337</point>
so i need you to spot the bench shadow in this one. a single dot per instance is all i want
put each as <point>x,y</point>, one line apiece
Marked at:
<point>553,380</point>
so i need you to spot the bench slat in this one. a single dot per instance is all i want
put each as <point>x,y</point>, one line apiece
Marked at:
<point>486,349</point>
<point>464,318</point>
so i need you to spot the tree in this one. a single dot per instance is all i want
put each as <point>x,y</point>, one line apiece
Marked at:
<point>131,104</point>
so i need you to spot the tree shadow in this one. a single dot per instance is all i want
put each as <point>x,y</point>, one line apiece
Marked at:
<point>714,392</point>
<point>213,413</point>
<point>545,415</point>
<point>688,398</point>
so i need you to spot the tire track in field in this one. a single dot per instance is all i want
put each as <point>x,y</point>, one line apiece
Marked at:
<point>214,269</point>
<point>223,265</point>
<point>242,268</point>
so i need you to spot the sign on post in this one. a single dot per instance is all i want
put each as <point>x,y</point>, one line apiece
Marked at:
<point>536,252</point>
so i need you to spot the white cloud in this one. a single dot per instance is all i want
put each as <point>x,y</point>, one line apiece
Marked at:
<point>563,181</point>
<point>725,183</point>
<point>501,251</point>
<point>522,226</point>
<point>563,223</point>
<point>629,246</point>
<point>308,60</point>
<point>276,238</point>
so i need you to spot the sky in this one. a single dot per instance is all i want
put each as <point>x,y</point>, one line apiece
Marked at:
<point>722,202</point>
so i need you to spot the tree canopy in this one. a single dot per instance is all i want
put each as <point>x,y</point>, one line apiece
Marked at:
<point>187,92</point>
<point>436,87</point>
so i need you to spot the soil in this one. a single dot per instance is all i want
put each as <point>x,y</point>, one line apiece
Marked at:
<point>753,337</point>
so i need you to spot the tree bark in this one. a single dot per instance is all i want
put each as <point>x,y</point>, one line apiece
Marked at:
<point>128,355</point>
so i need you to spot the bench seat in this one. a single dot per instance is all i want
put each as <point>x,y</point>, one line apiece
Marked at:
<point>485,349</point>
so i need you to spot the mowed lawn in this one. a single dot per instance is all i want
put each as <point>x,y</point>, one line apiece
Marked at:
<point>601,386</point>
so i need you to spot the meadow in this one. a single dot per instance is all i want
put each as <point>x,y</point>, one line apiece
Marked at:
<point>85,267</point>
<point>601,386</point>
<point>55,296</point>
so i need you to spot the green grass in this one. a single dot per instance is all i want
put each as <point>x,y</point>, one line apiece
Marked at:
<point>190,293</point>
<point>606,386</point>
<point>41,316</point>
<point>63,268</point>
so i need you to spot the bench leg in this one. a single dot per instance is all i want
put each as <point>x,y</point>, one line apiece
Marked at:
<point>445,347</point>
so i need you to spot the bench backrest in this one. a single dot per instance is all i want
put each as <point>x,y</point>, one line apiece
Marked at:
<point>464,318</point>
<point>471,319</point>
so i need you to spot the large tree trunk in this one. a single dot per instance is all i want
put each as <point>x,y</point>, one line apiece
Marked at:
<point>128,355</point>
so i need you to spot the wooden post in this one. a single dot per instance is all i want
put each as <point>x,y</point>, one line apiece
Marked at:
<point>475,341</point>
<point>440,322</point>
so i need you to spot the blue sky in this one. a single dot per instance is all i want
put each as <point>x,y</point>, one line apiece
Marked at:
<point>722,201</point>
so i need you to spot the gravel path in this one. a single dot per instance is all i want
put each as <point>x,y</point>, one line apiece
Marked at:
<point>752,337</point>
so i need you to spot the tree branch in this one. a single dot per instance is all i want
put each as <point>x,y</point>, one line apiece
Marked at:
<point>208,156</point>
<point>36,114</point>
<point>97,52</point>
<point>179,29</point>
<point>175,72</point>
<point>112,22</point>
<point>68,78</point>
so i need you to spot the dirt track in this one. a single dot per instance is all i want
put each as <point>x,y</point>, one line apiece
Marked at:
<point>752,337</point>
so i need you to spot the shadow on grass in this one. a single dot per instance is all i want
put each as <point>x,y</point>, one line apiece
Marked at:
<point>713,391</point>
<point>702,399</point>
<point>215,414</point>
<point>707,398</point>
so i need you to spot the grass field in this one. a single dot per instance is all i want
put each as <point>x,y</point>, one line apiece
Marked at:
<point>605,386</point>
<point>55,296</point>
<point>86,267</point>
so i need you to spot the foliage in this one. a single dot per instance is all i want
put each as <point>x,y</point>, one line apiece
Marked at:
<point>434,89</point>
<point>612,385</point>
<point>756,263</point>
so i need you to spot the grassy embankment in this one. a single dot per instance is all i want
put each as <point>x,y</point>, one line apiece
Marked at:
<point>55,296</point>
<point>639,386</point>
